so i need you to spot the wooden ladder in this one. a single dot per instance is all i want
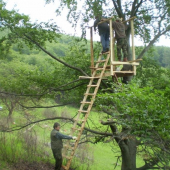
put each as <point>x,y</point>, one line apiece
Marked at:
<point>85,107</point>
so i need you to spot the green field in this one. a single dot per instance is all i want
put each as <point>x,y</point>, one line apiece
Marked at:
<point>33,142</point>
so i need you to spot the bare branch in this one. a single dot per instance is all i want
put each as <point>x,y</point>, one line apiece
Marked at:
<point>133,13</point>
<point>59,105</point>
<point>29,95</point>
<point>71,88</point>
<point>152,42</point>
<point>52,56</point>
<point>118,9</point>
<point>54,118</point>
<point>109,122</point>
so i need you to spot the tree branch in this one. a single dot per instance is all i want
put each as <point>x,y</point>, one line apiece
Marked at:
<point>109,122</point>
<point>28,95</point>
<point>117,8</point>
<point>152,42</point>
<point>54,118</point>
<point>52,56</point>
<point>70,87</point>
<point>135,10</point>
<point>28,107</point>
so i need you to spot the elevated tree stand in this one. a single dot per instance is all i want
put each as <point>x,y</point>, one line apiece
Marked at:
<point>99,70</point>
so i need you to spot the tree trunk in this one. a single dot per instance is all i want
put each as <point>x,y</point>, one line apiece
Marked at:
<point>127,67</point>
<point>10,113</point>
<point>128,151</point>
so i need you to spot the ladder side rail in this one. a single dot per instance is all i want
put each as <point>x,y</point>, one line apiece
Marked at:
<point>81,107</point>
<point>88,89</point>
<point>85,97</point>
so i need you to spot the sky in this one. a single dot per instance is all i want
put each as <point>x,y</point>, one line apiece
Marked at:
<point>38,10</point>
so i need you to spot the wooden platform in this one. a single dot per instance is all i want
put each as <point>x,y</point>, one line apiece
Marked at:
<point>119,73</point>
<point>107,74</point>
<point>133,63</point>
<point>115,63</point>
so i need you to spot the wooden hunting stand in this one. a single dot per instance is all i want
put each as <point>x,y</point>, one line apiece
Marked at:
<point>100,70</point>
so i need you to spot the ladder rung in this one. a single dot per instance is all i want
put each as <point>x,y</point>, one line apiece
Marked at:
<point>86,77</point>
<point>101,61</point>
<point>95,68</point>
<point>83,111</point>
<point>68,146</point>
<point>74,128</point>
<point>67,157</point>
<point>105,53</point>
<point>92,85</point>
<point>99,68</point>
<point>64,167</point>
<point>86,102</point>
<point>90,94</point>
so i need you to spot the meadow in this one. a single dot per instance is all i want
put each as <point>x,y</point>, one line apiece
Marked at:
<point>32,143</point>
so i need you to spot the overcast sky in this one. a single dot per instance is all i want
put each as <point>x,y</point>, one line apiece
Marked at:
<point>38,10</point>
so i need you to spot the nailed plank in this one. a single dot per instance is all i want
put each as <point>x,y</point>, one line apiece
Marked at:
<point>86,102</point>
<point>90,94</point>
<point>124,63</point>
<point>83,111</point>
<point>86,77</point>
<point>101,61</point>
<point>92,85</point>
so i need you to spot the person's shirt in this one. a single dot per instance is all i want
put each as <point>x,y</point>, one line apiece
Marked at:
<point>119,28</point>
<point>103,27</point>
<point>56,139</point>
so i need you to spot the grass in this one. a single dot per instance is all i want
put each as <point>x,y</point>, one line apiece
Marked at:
<point>4,166</point>
<point>100,156</point>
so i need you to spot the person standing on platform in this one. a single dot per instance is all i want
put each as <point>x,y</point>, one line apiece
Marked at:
<point>57,144</point>
<point>120,36</point>
<point>103,32</point>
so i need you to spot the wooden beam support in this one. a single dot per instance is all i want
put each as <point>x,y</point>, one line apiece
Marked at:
<point>137,60</point>
<point>105,20</point>
<point>123,71</point>
<point>86,77</point>
<point>91,48</point>
<point>124,63</point>
<point>111,46</point>
<point>133,44</point>
<point>130,19</point>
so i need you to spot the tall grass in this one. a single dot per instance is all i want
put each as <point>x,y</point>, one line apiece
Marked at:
<point>32,144</point>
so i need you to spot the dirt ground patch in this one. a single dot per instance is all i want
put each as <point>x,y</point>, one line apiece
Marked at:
<point>34,166</point>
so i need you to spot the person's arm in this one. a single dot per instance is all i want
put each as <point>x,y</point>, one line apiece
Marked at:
<point>62,136</point>
<point>95,23</point>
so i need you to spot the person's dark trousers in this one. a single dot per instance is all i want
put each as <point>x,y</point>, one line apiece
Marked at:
<point>58,158</point>
<point>104,37</point>
<point>122,45</point>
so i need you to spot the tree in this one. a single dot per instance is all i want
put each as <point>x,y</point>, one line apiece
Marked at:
<point>144,129</point>
<point>152,18</point>
<point>152,22</point>
<point>21,31</point>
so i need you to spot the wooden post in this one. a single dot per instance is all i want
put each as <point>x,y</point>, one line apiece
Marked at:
<point>91,44</point>
<point>133,45</point>
<point>111,48</point>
